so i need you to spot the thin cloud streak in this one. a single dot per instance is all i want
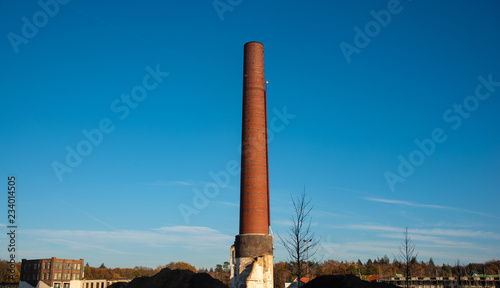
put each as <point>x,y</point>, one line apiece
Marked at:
<point>186,229</point>
<point>375,248</point>
<point>282,222</point>
<point>77,245</point>
<point>88,215</point>
<point>432,232</point>
<point>162,183</point>
<point>432,206</point>
<point>432,239</point>
<point>228,203</point>
<point>176,236</point>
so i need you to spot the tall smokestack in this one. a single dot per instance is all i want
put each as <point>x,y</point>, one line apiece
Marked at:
<point>252,252</point>
<point>254,189</point>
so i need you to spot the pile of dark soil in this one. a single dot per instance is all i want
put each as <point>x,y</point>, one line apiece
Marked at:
<point>173,279</point>
<point>344,281</point>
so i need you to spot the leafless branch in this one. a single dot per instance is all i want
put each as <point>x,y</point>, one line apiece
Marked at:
<point>300,242</point>
<point>407,255</point>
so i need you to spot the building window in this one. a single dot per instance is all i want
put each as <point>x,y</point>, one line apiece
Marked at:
<point>48,276</point>
<point>76,276</point>
<point>66,285</point>
<point>35,266</point>
<point>78,266</point>
<point>86,285</point>
<point>91,285</point>
<point>58,265</point>
<point>57,285</point>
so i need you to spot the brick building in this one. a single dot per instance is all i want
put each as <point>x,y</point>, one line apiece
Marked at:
<point>53,272</point>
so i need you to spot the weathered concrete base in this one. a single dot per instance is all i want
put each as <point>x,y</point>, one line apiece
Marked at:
<point>252,261</point>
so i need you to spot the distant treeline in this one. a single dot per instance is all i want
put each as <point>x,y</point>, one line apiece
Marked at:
<point>380,266</point>
<point>384,267</point>
<point>138,271</point>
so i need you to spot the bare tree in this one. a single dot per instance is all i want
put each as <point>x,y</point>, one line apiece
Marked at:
<point>407,255</point>
<point>300,242</point>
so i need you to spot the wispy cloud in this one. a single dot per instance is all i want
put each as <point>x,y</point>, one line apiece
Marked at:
<point>188,237</point>
<point>369,227</point>
<point>433,232</point>
<point>459,233</point>
<point>289,223</point>
<point>328,214</point>
<point>186,229</point>
<point>162,183</point>
<point>432,239</point>
<point>282,222</point>
<point>431,206</point>
<point>376,248</point>
<point>78,245</point>
<point>87,214</point>
<point>228,203</point>
<point>331,249</point>
<point>441,244</point>
<point>400,202</point>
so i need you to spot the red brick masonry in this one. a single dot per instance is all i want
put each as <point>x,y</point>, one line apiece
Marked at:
<point>254,206</point>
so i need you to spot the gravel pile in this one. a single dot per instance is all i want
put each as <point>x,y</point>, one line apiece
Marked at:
<point>344,281</point>
<point>167,278</point>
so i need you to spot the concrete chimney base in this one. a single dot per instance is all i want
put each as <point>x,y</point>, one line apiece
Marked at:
<point>252,261</point>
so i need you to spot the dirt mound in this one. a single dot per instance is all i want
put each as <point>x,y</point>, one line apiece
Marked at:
<point>347,281</point>
<point>167,278</point>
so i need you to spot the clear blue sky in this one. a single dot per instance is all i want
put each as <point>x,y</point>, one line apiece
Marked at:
<point>353,87</point>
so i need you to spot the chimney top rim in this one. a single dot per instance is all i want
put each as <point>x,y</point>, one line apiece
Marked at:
<point>254,42</point>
